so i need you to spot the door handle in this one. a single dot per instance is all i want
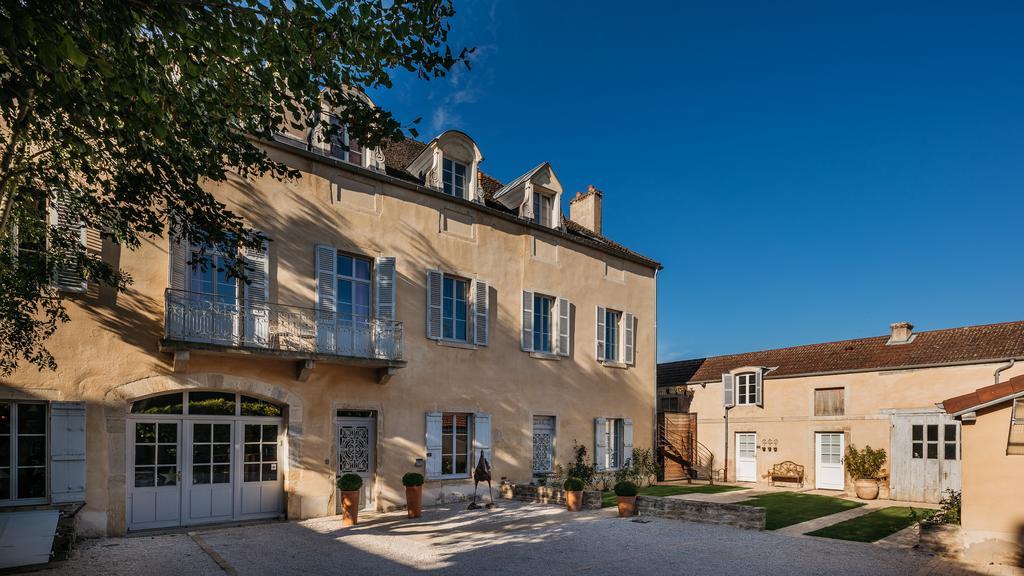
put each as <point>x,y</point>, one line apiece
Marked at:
<point>178,476</point>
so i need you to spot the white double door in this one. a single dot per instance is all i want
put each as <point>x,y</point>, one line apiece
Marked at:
<point>746,457</point>
<point>829,472</point>
<point>195,471</point>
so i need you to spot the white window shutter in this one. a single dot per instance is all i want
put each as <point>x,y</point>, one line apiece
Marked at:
<point>384,279</point>
<point>481,439</point>
<point>481,313</point>
<point>434,445</point>
<point>628,339</point>
<point>67,452</point>
<point>435,286</point>
<point>67,278</point>
<point>600,444</point>
<point>257,314</point>
<point>627,440</point>
<point>728,391</point>
<point>600,333</point>
<point>177,262</point>
<point>563,327</point>
<point>326,310</point>
<point>527,339</point>
<point>758,387</point>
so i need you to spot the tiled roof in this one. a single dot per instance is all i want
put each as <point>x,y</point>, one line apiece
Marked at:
<point>953,345</point>
<point>398,155</point>
<point>985,395</point>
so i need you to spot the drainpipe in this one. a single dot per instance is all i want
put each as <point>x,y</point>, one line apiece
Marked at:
<point>725,457</point>
<point>1006,366</point>
<point>654,415</point>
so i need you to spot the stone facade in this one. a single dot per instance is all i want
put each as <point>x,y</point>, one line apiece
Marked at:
<point>548,495</point>
<point>747,517</point>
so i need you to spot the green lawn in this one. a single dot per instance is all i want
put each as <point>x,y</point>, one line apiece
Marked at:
<point>788,508</point>
<point>875,525</point>
<point>608,498</point>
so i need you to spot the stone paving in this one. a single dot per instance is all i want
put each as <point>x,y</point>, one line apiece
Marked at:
<point>516,538</point>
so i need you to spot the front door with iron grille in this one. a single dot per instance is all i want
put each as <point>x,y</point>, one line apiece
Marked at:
<point>155,480</point>
<point>357,439</point>
<point>543,445</point>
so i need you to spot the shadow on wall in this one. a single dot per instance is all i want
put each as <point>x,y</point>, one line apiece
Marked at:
<point>1020,545</point>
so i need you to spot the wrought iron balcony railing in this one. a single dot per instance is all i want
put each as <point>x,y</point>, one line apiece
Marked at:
<point>240,323</point>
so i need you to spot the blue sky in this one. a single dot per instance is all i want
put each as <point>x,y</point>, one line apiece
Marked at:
<point>806,171</point>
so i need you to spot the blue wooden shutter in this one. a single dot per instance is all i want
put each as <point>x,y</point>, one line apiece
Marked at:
<point>435,285</point>
<point>527,334</point>
<point>481,438</point>
<point>728,391</point>
<point>257,314</point>
<point>433,440</point>
<point>384,278</point>
<point>600,328</point>
<point>326,279</point>
<point>563,327</point>
<point>481,312</point>
<point>67,452</point>
<point>628,339</point>
<point>600,444</point>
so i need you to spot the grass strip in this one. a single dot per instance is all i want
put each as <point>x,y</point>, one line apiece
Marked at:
<point>788,508</point>
<point>608,498</point>
<point>875,525</point>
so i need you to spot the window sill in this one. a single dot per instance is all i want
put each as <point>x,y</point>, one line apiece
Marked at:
<point>608,364</point>
<point>545,356</point>
<point>456,344</point>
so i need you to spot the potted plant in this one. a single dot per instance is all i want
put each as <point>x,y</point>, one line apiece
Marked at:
<point>573,494</point>
<point>626,492</point>
<point>350,485</point>
<point>865,467</point>
<point>413,483</point>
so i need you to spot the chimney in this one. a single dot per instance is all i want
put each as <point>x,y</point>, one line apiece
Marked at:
<point>585,209</point>
<point>902,333</point>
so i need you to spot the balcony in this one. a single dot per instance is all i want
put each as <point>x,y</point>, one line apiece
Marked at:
<point>206,323</point>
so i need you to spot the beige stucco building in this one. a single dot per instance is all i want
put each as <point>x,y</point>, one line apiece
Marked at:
<point>806,404</point>
<point>409,314</point>
<point>992,516</point>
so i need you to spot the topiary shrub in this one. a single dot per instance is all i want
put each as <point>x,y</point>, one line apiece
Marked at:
<point>573,485</point>
<point>412,479</point>
<point>626,488</point>
<point>864,464</point>
<point>350,482</point>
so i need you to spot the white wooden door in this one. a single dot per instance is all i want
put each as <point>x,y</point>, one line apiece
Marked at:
<point>357,440</point>
<point>829,472</point>
<point>925,456</point>
<point>209,473</point>
<point>261,486</point>
<point>746,457</point>
<point>154,493</point>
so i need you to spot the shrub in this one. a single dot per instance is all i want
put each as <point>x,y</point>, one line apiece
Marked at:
<point>949,509</point>
<point>626,488</point>
<point>350,482</point>
<point>573,485</point>
<point>412,479</point>
<point>580,468</point>
<point>641,469</point>
<point>864,464</point>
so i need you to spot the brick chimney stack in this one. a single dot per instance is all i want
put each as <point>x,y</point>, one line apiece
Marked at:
<point>585,209</point>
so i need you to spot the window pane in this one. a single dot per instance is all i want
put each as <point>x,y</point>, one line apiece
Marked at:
<point>5,452</point>
<point>31,419</point>
<point>256,407</point>
<point>222,453</point>
<point>933,451</point>
<point>166,454</point>
<point>917,449</point>
<point>5,418</point>
<point>201,433</point>
<point>345,265</point>
<point>200,474</point>
<point>252,432</point>
<point>164,404</point>
<point>166,475</point>
<point>950,433</point>
<point>917,432</point>
<point>31,482</point>
<point>950,451</point>
<point>145,455</point>
<point>145,477</point>
<point>219,403</point>
<point>252,473</point>
<point>269,452</point>
<point>32,451</point>
<point>201,453</point>
<point>222,432</point>
<point>270,432</point>
<point>933,432</point>
<point>145,433</point>
<point>221,473</point>
<point>167,433</point>
<point>269,472</point>
<point>362,269</point>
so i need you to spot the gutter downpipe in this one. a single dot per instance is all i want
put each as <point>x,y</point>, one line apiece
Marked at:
<point>654,417</point>
<point>725,473</point>
<point>1006,366</point>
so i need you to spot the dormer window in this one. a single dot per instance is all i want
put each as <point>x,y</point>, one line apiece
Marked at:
<point>454,178</point>
<point>344,147</point>
<point>542,213</point>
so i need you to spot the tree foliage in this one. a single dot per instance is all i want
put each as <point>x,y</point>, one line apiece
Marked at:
<point>122,110</point>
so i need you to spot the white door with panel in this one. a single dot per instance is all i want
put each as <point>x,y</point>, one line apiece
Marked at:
<point>357,439</point>
<point>829,472</point>
<point>209,477</point>
<point>155,481</point>
<point>261,493</point>
<point>746,457</point>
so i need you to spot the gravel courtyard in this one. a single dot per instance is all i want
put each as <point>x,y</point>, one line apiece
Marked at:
<point>514,539</point>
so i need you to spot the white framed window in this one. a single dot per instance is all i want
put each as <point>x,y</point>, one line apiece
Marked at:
<point>23,452</point>
<point>542,311</point>
<point>542,209</point>
<point>614,442</point>
<point>344,147</point>
<point>455,309</point>
<point>746,389</point>
<point>611,335</point>
<point>453,178</point>
<point>456,444</point>
<point>354,288</point>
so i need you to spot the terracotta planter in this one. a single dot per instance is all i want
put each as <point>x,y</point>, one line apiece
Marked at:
<point>574,500</point>
<point>414,501</point>
<point>866,488</point>
<point>627,506</point>
<point>350,507</point>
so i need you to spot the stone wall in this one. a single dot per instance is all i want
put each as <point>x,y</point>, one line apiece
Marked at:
<point>747,517</point>
<point>548,495</point>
